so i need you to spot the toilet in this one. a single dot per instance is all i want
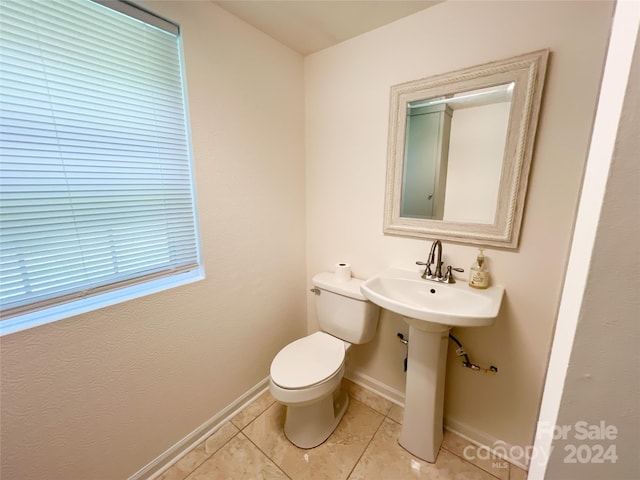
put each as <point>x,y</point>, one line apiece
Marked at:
<point>306,374</point>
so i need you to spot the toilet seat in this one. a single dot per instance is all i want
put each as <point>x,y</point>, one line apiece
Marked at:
<point>308,361</point>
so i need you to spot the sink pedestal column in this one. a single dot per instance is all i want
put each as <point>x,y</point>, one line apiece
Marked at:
<point>422,428</point>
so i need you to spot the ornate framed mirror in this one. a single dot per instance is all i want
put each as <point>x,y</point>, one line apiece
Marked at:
<point>459,152</point>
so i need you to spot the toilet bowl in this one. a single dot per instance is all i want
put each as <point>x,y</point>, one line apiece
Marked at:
<point>306,375</point>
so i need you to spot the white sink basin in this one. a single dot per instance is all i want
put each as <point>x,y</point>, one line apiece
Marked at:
<point>430,309</point>
<point>455,305</point>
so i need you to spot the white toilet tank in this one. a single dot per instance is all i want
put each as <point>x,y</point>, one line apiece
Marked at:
<point>343,311</point>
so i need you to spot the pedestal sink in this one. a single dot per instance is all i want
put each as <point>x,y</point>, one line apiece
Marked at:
<point>430,309</point>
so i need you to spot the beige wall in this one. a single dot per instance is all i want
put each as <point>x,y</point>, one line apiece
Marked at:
<point>347,97</point>
<point>100,395</point>
<point>605,358</point>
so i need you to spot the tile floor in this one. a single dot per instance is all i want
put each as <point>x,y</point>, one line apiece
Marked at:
<point>364,446</point>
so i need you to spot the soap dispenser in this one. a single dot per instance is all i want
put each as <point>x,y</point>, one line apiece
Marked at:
<point>478,274</point>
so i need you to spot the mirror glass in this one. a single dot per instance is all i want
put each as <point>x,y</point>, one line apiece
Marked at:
<point>454,146</point>
<point>460,146</point>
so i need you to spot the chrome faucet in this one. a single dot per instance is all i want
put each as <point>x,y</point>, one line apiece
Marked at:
<point>435,256</point>
<point>436,245</point>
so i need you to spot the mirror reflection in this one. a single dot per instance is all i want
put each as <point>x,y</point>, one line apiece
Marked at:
<point>453,155</point>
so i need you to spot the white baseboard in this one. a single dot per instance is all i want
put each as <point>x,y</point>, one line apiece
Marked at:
<point>478,438</point>
<point>377,387</point>
<point>159,465</point>
<point>497,447</point>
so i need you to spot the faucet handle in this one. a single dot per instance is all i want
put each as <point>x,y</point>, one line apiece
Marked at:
<point>427,271</point>
<point>448,277</point>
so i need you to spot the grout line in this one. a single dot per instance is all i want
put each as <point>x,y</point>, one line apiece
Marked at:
<point>241,431</point>
<point>265,454</point>
<point>442,447</point>
<point>370,440</point>
<point>208,457</point>
<point>254,418</point>
<point>384,417</point>
<point>157,467</point>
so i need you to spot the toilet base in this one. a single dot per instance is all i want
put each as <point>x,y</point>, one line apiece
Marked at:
<point>308,426</point>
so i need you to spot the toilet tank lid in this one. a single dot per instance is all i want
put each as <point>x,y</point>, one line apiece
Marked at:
<point>328,281</point>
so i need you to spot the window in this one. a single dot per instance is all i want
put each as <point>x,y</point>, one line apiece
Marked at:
<point>96,189</point>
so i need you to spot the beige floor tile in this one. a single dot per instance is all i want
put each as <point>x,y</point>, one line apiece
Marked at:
<point>364,444</point>
<point>367,397</point>
<point>396,413</point>
<point>238,459</point>
<point>183,467</point>
<point>467,450</point>
<point>333,460</point>
<point>386,459</point>
<point>517,473</point>
<point>253,410</point>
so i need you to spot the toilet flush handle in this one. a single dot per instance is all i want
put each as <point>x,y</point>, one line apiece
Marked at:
<point>315,290</point>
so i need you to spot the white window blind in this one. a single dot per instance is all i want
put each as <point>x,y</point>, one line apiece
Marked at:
<point>95,173</point>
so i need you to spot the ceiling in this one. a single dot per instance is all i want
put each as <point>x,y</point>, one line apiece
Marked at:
<point>308,26</point>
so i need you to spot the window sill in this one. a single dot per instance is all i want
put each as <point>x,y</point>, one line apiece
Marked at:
<point>78,307</point>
